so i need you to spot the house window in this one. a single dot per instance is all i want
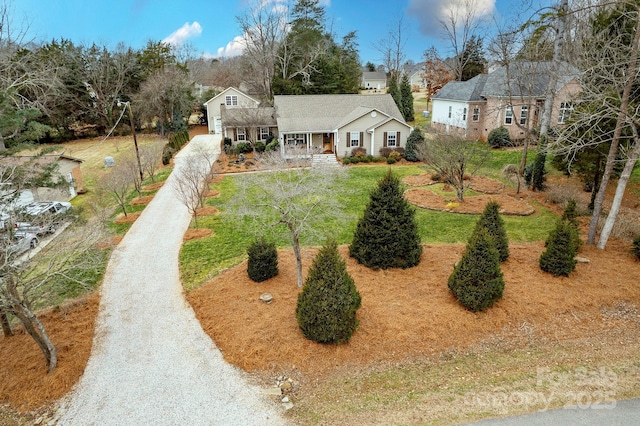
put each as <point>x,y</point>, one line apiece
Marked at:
<point>231,100</point>
<point>565,112</point>
<point>391,139</point>
<point>524,114</point>
<point>241,134</point>
<point>450,111</point>
<point>476,114</point>
<point>508,115</point>
<point>354,139</point>
<point>464,114</point>
<point>295,139</point>
<point>264,133</point>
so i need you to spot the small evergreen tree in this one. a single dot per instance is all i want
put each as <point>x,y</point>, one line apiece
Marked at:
<point>327,305</point>
<point>559,256</point>
<point>499,137</point>
<point>476,281</point>
<point>570,214</point>
<point>407,99</point>
<point>394,90</point>
<point>263,260</point>
<point>493,223</point>
<point>413,141</point>
<point>538,172</point>
<point>387,234</point>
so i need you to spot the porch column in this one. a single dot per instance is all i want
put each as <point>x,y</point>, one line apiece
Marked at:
<point>373,140</point>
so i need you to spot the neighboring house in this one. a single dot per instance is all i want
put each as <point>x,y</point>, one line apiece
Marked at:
<point>416,78</point>
<point>338,123</point>
<point>374,80</point>
<point>249,124</point>
<point>227,99</point>
<point>513,98</point>
<point>66,168</point>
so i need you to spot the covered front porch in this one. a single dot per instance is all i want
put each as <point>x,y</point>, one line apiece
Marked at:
<point>310,143</point>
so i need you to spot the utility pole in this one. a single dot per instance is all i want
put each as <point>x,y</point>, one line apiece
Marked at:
<point>135,141</point>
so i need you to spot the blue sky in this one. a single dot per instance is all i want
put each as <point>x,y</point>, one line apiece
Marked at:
<point>210,25</point>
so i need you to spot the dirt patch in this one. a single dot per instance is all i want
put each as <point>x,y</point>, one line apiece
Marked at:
<point>24,381</point>
<point>207,211</point>
<point>195,233</point>
<point>109,242</point>
<point>211,193</point>
<point>427,199</point>
<point>153,186</point>
<point>477,183</point>
<point>129,218</point>
<point>141,200</point>
<point>409,313</point>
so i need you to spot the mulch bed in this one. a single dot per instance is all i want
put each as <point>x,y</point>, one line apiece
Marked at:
<point>427,199</point>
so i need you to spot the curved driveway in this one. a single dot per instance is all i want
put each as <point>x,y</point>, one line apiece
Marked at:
<point>151,362</point>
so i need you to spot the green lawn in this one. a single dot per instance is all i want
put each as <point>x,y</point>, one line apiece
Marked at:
<point>203,259</point>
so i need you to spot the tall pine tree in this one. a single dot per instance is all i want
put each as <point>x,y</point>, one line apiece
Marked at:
<point>407,99</point>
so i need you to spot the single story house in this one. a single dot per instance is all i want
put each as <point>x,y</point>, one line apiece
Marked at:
<point>66,169</point>
<point>374,80</point>
<point>511,97</point>
<point>229,98</point>
<point>335,124</point>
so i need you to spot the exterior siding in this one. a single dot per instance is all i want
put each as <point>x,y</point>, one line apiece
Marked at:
<point>214,108</point>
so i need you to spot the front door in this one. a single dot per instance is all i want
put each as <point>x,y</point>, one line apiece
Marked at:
<point>327,143</point>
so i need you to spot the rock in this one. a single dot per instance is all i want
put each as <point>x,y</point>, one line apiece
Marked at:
<point>580,259</point>
<point>287,405</point>
<point>273,391</point>
<point>286,387</point>
<point>266,298</point>
<point>285,399</point>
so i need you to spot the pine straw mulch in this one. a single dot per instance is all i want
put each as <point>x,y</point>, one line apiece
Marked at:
<point>409,313</point>
<point>146,199</point>
<point>24,381</point>
<point>427,199</point>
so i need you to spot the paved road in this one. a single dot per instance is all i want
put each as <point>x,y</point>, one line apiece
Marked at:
<point>623,413</point>
<point>151,362</point>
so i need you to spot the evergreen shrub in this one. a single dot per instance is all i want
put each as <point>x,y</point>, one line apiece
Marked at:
<point>263,260</point>
<point>476,280</point>
<point>494,224</point>
<point>559,257</point>
<point>387,234</point>
<point>327,305</point>
<point>635,250</point>
<point>499,137</point>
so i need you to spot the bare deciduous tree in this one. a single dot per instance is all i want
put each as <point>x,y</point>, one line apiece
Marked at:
<point>117,183</point>
<point>290,194</point>
<point>393,48</point>
<point>435,72</point>
<point>453,158</point>
<point>25,279</point>
<point>190,182</point>
<point>151,158</point>
<point>461,22</point>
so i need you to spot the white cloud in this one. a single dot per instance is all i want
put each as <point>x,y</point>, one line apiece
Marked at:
<point>429,13</point>
<point>234,48</point>
<point>182,34</point>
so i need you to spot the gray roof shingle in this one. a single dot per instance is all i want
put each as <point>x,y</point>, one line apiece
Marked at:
<point>326,113</point>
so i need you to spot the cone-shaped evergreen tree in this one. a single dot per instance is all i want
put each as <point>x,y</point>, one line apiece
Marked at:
<point>387,234</point>
<point>559,257</point>
<point>327,305</point>
<point>263,260</point>
<point>477,280</point>
<point>493,223</point>
<point>570,214</point>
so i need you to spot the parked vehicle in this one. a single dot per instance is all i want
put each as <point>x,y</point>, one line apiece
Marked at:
<point>43,215</point>
<point>16,245</point>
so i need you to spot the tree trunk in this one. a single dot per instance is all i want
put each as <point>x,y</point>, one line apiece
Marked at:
<point>31,323</point>
<point>617,199</point>
<point>613,150</point>
<point>296,251</point>
<point>6,326</point>
<point>36,330</point>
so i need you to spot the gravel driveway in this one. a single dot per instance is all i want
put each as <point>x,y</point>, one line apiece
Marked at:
<point>151,362</point>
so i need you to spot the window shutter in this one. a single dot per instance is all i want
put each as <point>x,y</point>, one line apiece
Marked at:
<point>398,139</point>
<point>384,139</point>
<point>361,139</point>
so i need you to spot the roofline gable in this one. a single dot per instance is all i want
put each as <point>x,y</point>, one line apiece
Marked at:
<point>226,90</point>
